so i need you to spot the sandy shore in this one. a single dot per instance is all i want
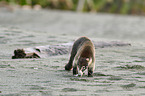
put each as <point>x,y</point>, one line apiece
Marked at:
<point>119,70</point>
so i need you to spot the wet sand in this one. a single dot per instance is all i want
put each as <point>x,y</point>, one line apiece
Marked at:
<point>119,70</point>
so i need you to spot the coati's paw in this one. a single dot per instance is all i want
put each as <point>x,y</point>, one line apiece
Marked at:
<point>68,67</point>
<point>90,74</point>
<point>75,75</point>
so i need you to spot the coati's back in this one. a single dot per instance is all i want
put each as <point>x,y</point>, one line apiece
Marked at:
<point>77,44</point>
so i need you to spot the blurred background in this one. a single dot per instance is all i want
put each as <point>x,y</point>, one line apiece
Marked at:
<point>133,7</point>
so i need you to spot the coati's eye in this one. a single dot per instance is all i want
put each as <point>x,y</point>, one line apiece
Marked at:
<point>84,68</point>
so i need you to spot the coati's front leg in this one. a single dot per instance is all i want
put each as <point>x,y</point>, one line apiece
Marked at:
<point>90,72</point>
<point>75,70</point>
<point>69,66</point>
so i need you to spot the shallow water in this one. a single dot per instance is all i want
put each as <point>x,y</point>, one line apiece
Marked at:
<point>119,70</point>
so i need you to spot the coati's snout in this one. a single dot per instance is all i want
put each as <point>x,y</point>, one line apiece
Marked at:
<point>81,70</point>
<point>83,63</point>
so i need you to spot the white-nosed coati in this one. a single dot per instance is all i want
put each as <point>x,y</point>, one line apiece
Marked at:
<point>83,55</point>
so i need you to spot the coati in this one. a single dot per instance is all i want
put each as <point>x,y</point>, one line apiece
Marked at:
<point>82,57</point>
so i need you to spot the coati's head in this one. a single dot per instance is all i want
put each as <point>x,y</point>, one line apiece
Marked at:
<point>83,63</point>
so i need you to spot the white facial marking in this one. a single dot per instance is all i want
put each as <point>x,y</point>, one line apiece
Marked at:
<point>80,73</point>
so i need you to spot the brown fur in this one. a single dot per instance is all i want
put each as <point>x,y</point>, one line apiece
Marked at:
<point>82,55</point>
<point>83,61</point>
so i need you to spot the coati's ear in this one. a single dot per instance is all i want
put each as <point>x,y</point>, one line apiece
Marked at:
<point>87,59</point>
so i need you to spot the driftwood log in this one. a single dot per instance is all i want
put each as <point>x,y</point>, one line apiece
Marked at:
<point>61,49</point>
